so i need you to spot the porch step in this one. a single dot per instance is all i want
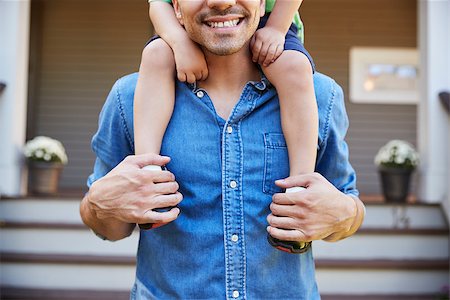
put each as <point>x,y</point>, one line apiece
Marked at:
<point>47,271</point>
<point>379,215</point>
<point>45,249</point>
<point>366,244</point>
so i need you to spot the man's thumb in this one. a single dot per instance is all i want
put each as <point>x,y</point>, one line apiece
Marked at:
<point>293,181</point>
<point>146,159</point>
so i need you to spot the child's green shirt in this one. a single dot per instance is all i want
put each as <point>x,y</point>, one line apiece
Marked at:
<point>269,7</point>
<point>297,21</point>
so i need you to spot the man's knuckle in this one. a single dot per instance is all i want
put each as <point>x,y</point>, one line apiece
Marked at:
<point>173,200</point>
<point>272,221</point>
<point>276,198</point>
<point>158,218</point>
<point>175,186</point>
<point>179,197</point>
<point>275,209</point>
<point>139,176</point>
<point>307,236</point>
<point>135,216</point>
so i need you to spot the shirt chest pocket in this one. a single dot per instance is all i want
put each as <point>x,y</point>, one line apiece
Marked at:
<point>276,161</point>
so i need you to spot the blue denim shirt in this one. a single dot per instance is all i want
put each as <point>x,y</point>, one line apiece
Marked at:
<point>226,169</point>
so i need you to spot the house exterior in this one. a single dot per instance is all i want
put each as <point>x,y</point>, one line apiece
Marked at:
<point>59,59</point>
<point>64,55</point>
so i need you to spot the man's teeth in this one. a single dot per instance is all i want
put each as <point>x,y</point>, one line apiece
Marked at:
<point>231,23</point>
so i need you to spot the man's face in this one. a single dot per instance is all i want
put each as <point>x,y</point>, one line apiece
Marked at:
<point>222,27</point>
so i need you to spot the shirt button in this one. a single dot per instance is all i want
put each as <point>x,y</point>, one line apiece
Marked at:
<point>235,294</point>
<point>200,94</point>
<point>233,184</point>
<point>229,129</point>
<point>234,238</point>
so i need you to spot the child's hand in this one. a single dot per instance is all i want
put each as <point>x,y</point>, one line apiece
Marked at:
<point>190,62</point>
<point>266,45</point>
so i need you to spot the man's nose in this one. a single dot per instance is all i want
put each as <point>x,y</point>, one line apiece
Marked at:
<point>220,4</point>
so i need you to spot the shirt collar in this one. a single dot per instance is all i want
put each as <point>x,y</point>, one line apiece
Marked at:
<point>260,85</point>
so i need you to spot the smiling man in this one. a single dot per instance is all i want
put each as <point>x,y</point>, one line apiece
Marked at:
<point>225,146</point>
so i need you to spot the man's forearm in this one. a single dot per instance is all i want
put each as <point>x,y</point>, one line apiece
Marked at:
<point>107,228</point>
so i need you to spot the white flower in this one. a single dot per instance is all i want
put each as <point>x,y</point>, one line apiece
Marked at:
<point>397,153</point>
<point>46,149</point>
<point>39,153</point>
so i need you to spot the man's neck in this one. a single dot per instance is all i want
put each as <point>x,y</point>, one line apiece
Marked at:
<point>227,77</point>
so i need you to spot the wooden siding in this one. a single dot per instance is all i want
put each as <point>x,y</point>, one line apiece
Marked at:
<point>332,28</point>
<point>85,45</point>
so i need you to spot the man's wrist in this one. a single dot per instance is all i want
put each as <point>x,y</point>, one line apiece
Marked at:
<point>356,217</point>
<point>359,215</point>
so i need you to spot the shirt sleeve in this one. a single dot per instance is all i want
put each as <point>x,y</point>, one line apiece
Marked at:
<point>112,142</point>
<point>333,155</point>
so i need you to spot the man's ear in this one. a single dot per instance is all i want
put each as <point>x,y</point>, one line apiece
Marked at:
<point>262,8</point>
<point>176,7</point>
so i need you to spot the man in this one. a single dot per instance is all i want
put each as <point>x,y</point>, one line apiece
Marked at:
<point>227,150</point>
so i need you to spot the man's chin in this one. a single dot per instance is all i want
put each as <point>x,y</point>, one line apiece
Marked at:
<point>222,48</point>
<point>222,51</point>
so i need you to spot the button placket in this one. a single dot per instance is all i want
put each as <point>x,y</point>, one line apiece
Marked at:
<point>235,253</point>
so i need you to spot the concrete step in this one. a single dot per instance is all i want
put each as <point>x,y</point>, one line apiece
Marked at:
<point>59,239</point>
<point>40,210</point>
<point>369,243</point>
<point>401,244</point>
<point>400,251</point>
<point>48,271</point>
<point>411,216</point>
<point>378,281</point>
<point>379,216</point>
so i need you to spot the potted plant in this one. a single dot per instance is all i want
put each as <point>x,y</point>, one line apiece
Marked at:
<point>396,161</point>
<point>46,158</point>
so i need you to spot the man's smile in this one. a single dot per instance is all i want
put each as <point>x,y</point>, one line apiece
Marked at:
<point>232,23</point>
<point>223,21</point>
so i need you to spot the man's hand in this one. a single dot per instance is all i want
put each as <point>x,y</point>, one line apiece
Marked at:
<point>190,61</point>
<point>320,212</point>
<point>266,45</point>
<point>128,194</point>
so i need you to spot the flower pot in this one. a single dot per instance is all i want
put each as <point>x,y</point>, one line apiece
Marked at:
<point>43,178</point>
<point>395,183</point>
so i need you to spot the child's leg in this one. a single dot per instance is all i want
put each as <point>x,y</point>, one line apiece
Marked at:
<point>291,74</point>
<point>154,97</point>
